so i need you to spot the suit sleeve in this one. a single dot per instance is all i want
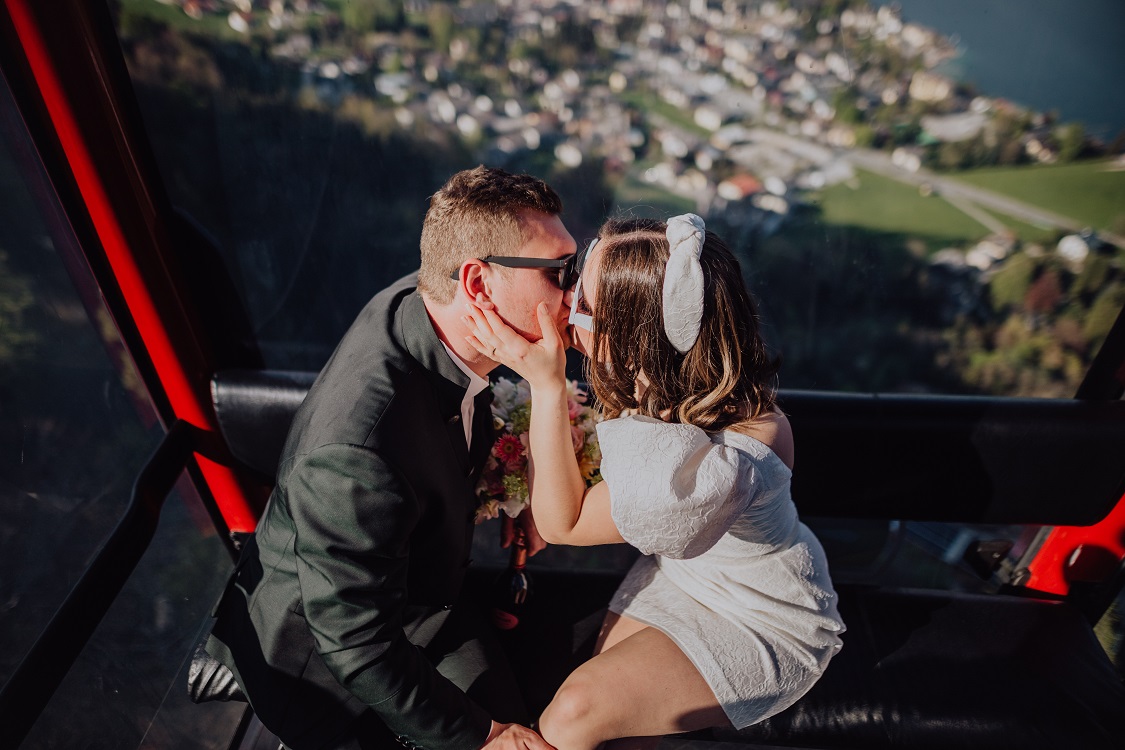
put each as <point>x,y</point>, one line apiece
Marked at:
<point>354,515</point>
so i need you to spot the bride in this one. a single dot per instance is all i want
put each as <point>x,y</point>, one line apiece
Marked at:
<point>730,616</point>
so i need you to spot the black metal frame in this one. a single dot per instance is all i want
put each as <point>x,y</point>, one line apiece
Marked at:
<point>46,664</point>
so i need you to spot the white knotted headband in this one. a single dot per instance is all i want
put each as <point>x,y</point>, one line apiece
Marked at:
<point>683,281</point>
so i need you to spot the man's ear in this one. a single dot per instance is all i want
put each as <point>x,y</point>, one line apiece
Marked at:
<point>475,284</point>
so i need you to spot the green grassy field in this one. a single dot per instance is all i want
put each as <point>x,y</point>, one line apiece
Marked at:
<point>1027,232</point>
<point>1088,191</point>
<point>212,25</point>
<point>637,198</point>
<point>880,204</point>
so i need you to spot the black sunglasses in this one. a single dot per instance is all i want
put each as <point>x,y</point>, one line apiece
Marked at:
<point>568,266</point>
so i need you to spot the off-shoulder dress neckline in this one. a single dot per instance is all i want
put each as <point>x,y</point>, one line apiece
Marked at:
<point>765,451</point>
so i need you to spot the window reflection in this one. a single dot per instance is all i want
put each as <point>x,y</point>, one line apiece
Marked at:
<point>128,686</point>
<point>75,424</point>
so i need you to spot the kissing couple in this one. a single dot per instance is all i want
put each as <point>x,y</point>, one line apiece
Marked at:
<point>344,622</point>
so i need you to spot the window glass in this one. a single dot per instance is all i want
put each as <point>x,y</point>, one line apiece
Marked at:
<point>926,196</point>
<point>76,426</point>
<point>915,215</point>
<point>128,687</point>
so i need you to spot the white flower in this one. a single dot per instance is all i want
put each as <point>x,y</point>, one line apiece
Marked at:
<point>513,506</point>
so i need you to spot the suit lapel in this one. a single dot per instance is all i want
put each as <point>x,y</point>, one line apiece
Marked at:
<point>416,331</point>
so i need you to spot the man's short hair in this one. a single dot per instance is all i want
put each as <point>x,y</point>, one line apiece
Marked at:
<point>476,213</point>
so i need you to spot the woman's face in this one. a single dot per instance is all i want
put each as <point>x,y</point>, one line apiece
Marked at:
<point>584,299</point>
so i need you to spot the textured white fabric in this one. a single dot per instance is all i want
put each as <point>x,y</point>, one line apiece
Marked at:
<point>683,281</point>
<point>730,573</point>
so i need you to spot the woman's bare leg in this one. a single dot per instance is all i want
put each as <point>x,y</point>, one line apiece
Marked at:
<point>640,685</point>
<point>616,628</point>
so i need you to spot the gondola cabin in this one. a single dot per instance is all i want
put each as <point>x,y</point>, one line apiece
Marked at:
<point>197,196</point>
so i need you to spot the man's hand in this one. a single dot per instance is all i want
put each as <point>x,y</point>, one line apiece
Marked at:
<point>514,737</point>
<point>526,521</point>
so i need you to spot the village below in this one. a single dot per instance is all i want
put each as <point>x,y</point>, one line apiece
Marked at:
<point>905,232</point>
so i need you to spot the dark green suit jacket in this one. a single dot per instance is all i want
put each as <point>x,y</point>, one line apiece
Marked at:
<point>365,541</point>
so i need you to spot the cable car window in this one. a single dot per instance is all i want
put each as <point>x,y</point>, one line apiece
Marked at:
<point>916,212</point>
<point>906,229</point>
<point>76,427</point>
<point>127,686</point>
<point>75,424</point>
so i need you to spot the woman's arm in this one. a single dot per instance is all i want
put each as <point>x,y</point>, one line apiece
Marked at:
<point>565,513</point>
<point>594,524</point>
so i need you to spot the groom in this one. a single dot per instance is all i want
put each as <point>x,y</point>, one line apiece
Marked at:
<point>343,622</point>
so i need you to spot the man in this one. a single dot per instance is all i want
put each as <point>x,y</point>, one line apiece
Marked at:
<point>342,623</point>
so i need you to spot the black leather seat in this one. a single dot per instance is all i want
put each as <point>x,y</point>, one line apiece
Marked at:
<point>919,668</point>
<point>933,669</point>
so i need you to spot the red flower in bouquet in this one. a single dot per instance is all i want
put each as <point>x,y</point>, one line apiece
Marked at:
<point>509,450</point>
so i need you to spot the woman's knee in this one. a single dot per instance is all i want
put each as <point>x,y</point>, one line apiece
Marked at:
<point>573,717</point>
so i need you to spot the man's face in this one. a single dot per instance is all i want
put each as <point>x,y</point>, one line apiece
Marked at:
<point>516,292</point>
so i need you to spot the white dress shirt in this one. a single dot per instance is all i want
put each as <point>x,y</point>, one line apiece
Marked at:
<point>468,404</point>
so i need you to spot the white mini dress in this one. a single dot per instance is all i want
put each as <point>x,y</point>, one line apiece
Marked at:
<point>729,574</point>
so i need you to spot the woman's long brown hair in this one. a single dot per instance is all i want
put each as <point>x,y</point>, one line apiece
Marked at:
<point>727,377</point>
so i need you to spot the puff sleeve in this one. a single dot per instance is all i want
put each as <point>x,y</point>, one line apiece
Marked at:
<point>673,492</point>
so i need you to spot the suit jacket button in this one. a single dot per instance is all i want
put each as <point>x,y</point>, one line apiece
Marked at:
<point>447,607</point>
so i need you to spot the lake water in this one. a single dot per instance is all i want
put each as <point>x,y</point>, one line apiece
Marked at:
<point>1064,55</point>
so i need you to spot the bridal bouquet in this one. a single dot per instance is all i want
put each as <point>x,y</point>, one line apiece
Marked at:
<point>503,483</point>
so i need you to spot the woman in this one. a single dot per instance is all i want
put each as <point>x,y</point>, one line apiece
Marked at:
<point>731,616</point>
